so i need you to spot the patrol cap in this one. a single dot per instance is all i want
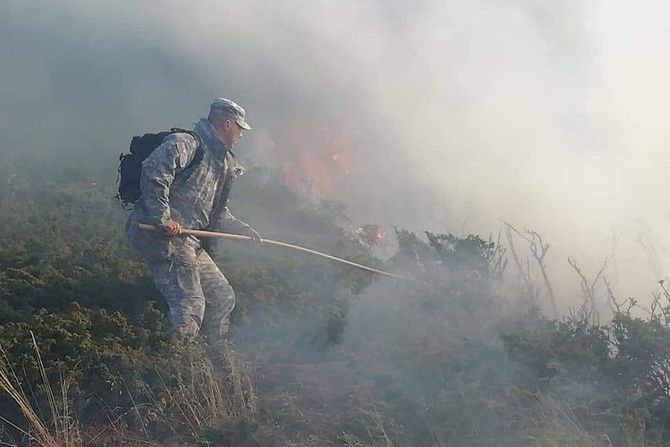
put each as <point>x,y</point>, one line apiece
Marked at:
<point>227,107</point>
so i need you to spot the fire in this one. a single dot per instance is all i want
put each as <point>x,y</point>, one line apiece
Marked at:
<point>314,159</point>
<point>370,235</point>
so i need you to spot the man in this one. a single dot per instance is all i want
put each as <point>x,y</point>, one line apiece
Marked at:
<point>186,182</point>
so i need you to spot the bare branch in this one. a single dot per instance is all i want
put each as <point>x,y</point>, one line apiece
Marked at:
<point>525,280</point>
<point>615,306</point>
<point>588,287</point>
<point>539,249</point>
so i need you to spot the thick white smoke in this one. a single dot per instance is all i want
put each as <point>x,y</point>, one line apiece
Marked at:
<point>451,115</point>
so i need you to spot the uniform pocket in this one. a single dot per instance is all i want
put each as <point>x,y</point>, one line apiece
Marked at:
<point>183,250</point>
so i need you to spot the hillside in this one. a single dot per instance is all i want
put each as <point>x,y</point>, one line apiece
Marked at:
<point>319,355</point>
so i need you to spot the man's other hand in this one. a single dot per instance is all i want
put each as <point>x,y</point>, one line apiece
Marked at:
<point>171,228</point>
<point>255,235</point>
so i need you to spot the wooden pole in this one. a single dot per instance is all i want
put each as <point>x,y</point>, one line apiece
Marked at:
<point>239,237</point>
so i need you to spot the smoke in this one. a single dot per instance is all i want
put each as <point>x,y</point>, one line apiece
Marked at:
<point>451,115</point>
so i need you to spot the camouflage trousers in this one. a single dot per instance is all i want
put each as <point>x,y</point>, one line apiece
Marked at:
<point>198,295</point>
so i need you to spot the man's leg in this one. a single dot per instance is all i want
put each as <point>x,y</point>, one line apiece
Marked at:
<point>180,285</point>
<point>219,296</point>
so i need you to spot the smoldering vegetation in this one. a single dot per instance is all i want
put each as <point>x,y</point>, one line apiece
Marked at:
<point>320,354</point>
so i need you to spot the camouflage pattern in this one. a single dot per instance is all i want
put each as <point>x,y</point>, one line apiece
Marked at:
<point>231,109</point>
<point>197,295</point>
<point>173,188</point>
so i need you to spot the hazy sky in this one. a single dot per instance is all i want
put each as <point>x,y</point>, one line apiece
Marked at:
<point>445,115</point>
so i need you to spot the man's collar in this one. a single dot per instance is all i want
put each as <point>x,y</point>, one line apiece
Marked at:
<point>206,130</point>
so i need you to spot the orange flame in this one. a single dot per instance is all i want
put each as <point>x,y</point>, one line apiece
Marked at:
<point>369,235</point>
<point>313,159</point>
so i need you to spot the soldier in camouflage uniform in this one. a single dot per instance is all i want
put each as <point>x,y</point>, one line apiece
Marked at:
<point>185,182</point>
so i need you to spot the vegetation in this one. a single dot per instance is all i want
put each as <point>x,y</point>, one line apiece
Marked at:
<point>319,355</point>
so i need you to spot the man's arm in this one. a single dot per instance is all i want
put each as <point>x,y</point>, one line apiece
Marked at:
<point>158,173</point>
<point>231,224</point>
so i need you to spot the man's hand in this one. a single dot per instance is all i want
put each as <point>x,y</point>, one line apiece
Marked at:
<point>255,235</point>
<point>171,228</point>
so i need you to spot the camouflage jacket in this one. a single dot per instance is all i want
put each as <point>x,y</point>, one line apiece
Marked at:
<point>176,187</point>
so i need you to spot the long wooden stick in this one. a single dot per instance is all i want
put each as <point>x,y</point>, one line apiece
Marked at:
<point>239,237</point>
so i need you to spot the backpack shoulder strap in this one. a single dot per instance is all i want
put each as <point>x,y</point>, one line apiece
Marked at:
<point>199,150</point>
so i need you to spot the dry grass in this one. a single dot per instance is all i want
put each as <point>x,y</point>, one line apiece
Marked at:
<point>205,394</point>
<point>63,430</point>
<point>193,395</point>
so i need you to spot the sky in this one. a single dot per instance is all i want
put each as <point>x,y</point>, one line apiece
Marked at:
<point>449,116</point>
